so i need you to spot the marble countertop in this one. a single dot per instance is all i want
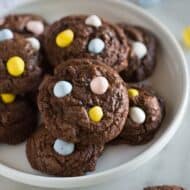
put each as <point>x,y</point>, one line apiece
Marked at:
<point>172,165</point>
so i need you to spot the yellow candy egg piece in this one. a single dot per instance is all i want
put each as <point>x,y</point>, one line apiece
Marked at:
<point>65,38</point>
<point>8,98</point>
<point>15,66</point>
<point>132,92</point>
<point>95,113</point>
<point>186,37</point>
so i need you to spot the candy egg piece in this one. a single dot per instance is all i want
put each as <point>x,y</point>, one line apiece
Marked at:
<point>7,98</point>
<point>132,92</point>
<point>62,88</point>
<point>139,49</point>
<point>6,34</point>
<point>93,20</point>
<point>95,113</point>
<point>63,148</point>
<point>65,38</point>
<point>186,36</point>
<point>36,27</point>
<point>137,115</point>
<point>15,66</point>
<point>34,42</point>
<point>96,46</point>
<point>99,85</point>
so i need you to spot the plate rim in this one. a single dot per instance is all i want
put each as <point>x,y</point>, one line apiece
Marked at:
<point>153,150</point>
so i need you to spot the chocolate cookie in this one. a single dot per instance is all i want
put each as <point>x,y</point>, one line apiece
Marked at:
<point>85,101</point>
<point>86,37</point>
<point>142,55</point>
<point>54,156</point>
<point>26,24</point>
<point>146,112</point>
<point>20,70</point>
<point>18,119</point>
<point>164,187</point>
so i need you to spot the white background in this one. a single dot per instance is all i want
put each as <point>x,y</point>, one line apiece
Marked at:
<point>172,165</point>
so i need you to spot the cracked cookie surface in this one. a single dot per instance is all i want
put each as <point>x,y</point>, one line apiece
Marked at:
<point>146,112</point>
<point>25,54</point>
<point>21,23</point>
<point>17,121</point>
<point>43,157</point>
<point>82,115</point>
<point>139,68</point>
<point>114,52</point>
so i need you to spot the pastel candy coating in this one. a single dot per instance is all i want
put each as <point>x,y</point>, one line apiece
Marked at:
<point>6,34</point>
<point>63,148</point>
<point>64,38</point>
<point>7,98</point>
<point>139,49</point>
<point>137,115</point>
<point>34,42</point>
<point>95,113</point>
<point>62,88</point>
<point>186,36</point>
<point>99,85</point>
<point>96,46</point>
<point>36,27</point>
<point>132,92</point>
<point>15,66</point>
<point>93,20</point>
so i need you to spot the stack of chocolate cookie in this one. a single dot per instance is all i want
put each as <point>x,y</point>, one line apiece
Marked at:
<point>83,106</point>
<point>86,102</point>
<point>20,75</point>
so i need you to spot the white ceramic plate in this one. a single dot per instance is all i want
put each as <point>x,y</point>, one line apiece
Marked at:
<point>170,80</point>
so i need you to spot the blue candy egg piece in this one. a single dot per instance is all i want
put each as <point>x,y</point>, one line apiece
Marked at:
<point>96,46</point>
<point>6,34</point>
<point>63,148</point>
<point>62,88</point>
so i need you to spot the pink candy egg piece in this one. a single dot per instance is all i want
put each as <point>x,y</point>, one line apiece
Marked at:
<point>37,27</point>
<point>99,85</point>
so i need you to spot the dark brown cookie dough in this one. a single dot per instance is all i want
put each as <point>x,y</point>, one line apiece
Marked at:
<point>138,130</point>
<point>17,121</point>
<point>32,73</point>
<point>43,156</point>
<point>165,187</point>
<point>26,24</point>
<point>70,117</point>
<point>29,26</point>
<point>139,68</point>
<point>113,54</point>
